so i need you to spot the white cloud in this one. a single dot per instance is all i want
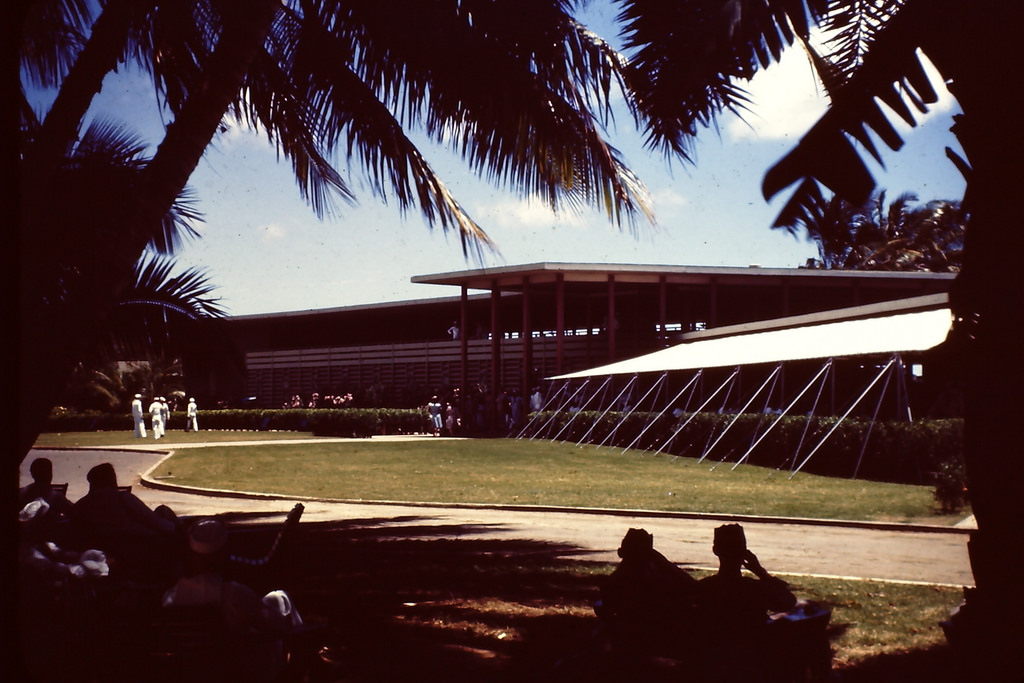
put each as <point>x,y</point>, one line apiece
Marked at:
<point>667,197</point>
<point>524,214</point>
<point>786,100</point>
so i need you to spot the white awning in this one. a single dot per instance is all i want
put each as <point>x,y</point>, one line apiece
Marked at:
<point>917,331</point>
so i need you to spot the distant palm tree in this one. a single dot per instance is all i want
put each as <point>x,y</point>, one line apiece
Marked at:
<point>902,238</point>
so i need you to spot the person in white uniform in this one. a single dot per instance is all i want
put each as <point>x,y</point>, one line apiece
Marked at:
<point>139,416</point>
<point>156,416</point>
<point>192,416</point>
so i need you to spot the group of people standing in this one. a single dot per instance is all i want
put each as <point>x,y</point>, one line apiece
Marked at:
<point>159,414</point>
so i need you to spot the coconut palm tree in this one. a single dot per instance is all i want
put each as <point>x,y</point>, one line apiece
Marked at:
<point>693,58</point>
<point>521,95</point>
<point>870,237</point>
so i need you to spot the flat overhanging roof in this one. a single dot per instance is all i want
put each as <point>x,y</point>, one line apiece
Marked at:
<point>895,332</point>
<point>511,278</point>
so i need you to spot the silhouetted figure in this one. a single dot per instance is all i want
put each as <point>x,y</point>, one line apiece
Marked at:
<point>59,507</point>
<point>117,522</point>
<point>647,602</point>
<point>255,625</point>
<point>43,562</point>
<point>735,610</point>
<point>56,615</point>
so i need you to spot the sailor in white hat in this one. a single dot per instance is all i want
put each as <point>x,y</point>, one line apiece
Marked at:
<point>138,417</point>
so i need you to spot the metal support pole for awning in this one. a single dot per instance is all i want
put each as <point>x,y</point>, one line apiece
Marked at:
<point>824,368</point>
<point>692,385</point>
<point>728,380</point>
<point>849,410</point>
<point>635,407</point>
<point>537,415</point>
<point>771,376</point>
<point>567,401</point>
<point>874,416</point>
<point>611,405</point>
<point>582,407</point>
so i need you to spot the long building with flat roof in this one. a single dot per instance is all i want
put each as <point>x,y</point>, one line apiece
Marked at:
<point>519,324</point>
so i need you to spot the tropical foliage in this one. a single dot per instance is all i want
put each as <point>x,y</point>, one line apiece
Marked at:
<point>928,237</point>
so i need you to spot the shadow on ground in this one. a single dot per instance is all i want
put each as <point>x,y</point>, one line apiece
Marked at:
<point>415,602</point>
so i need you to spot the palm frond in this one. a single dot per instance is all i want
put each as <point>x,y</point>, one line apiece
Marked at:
<point>687,59</point>
<point>52,35</point>
<point>518,94</point>
<point>187,293</point>
<point>892,74</point>
<point>852,27</point>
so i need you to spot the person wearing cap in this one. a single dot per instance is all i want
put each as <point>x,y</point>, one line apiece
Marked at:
<point>647,601</point>
<point>166,410</point>
<point>139,417</point>
<point>192,416</point>
<point>735,606</point>
<point>255,623</point>
<point>156,417</point>
<point>434,410</point>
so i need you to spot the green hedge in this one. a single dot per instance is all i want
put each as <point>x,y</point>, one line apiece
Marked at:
<point>349,422</point>
<point>901,452</point>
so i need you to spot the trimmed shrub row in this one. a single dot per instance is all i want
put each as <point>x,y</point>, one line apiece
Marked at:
<point>900,452</point>
<point>347,422</point>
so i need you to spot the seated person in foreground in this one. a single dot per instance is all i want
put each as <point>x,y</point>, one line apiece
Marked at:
<point>647,600</point>
<point>41,487</point>
<point>735,609</point>
<point>118,522</point>
<point>45,565</point>
<point>255,623</point>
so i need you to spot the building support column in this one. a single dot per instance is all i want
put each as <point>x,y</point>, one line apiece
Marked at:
<point>463,349</point>
<point>662,310</point>
<point>612,322</point>
<point>712,320</point>
<point>559,323</point>
<point>495,354</point>
<point>527,369</point>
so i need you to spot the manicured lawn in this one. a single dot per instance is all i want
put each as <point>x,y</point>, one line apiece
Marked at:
<point>523,472</point>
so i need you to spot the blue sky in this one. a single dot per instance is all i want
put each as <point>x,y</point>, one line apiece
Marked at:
<point>266,251</point>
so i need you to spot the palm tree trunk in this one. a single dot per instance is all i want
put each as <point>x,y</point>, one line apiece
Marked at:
<point>100,56</point>
<point>52,340</point>
<point>189,135</point>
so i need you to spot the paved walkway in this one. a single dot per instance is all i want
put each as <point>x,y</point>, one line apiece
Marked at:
<point>932,555</point>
